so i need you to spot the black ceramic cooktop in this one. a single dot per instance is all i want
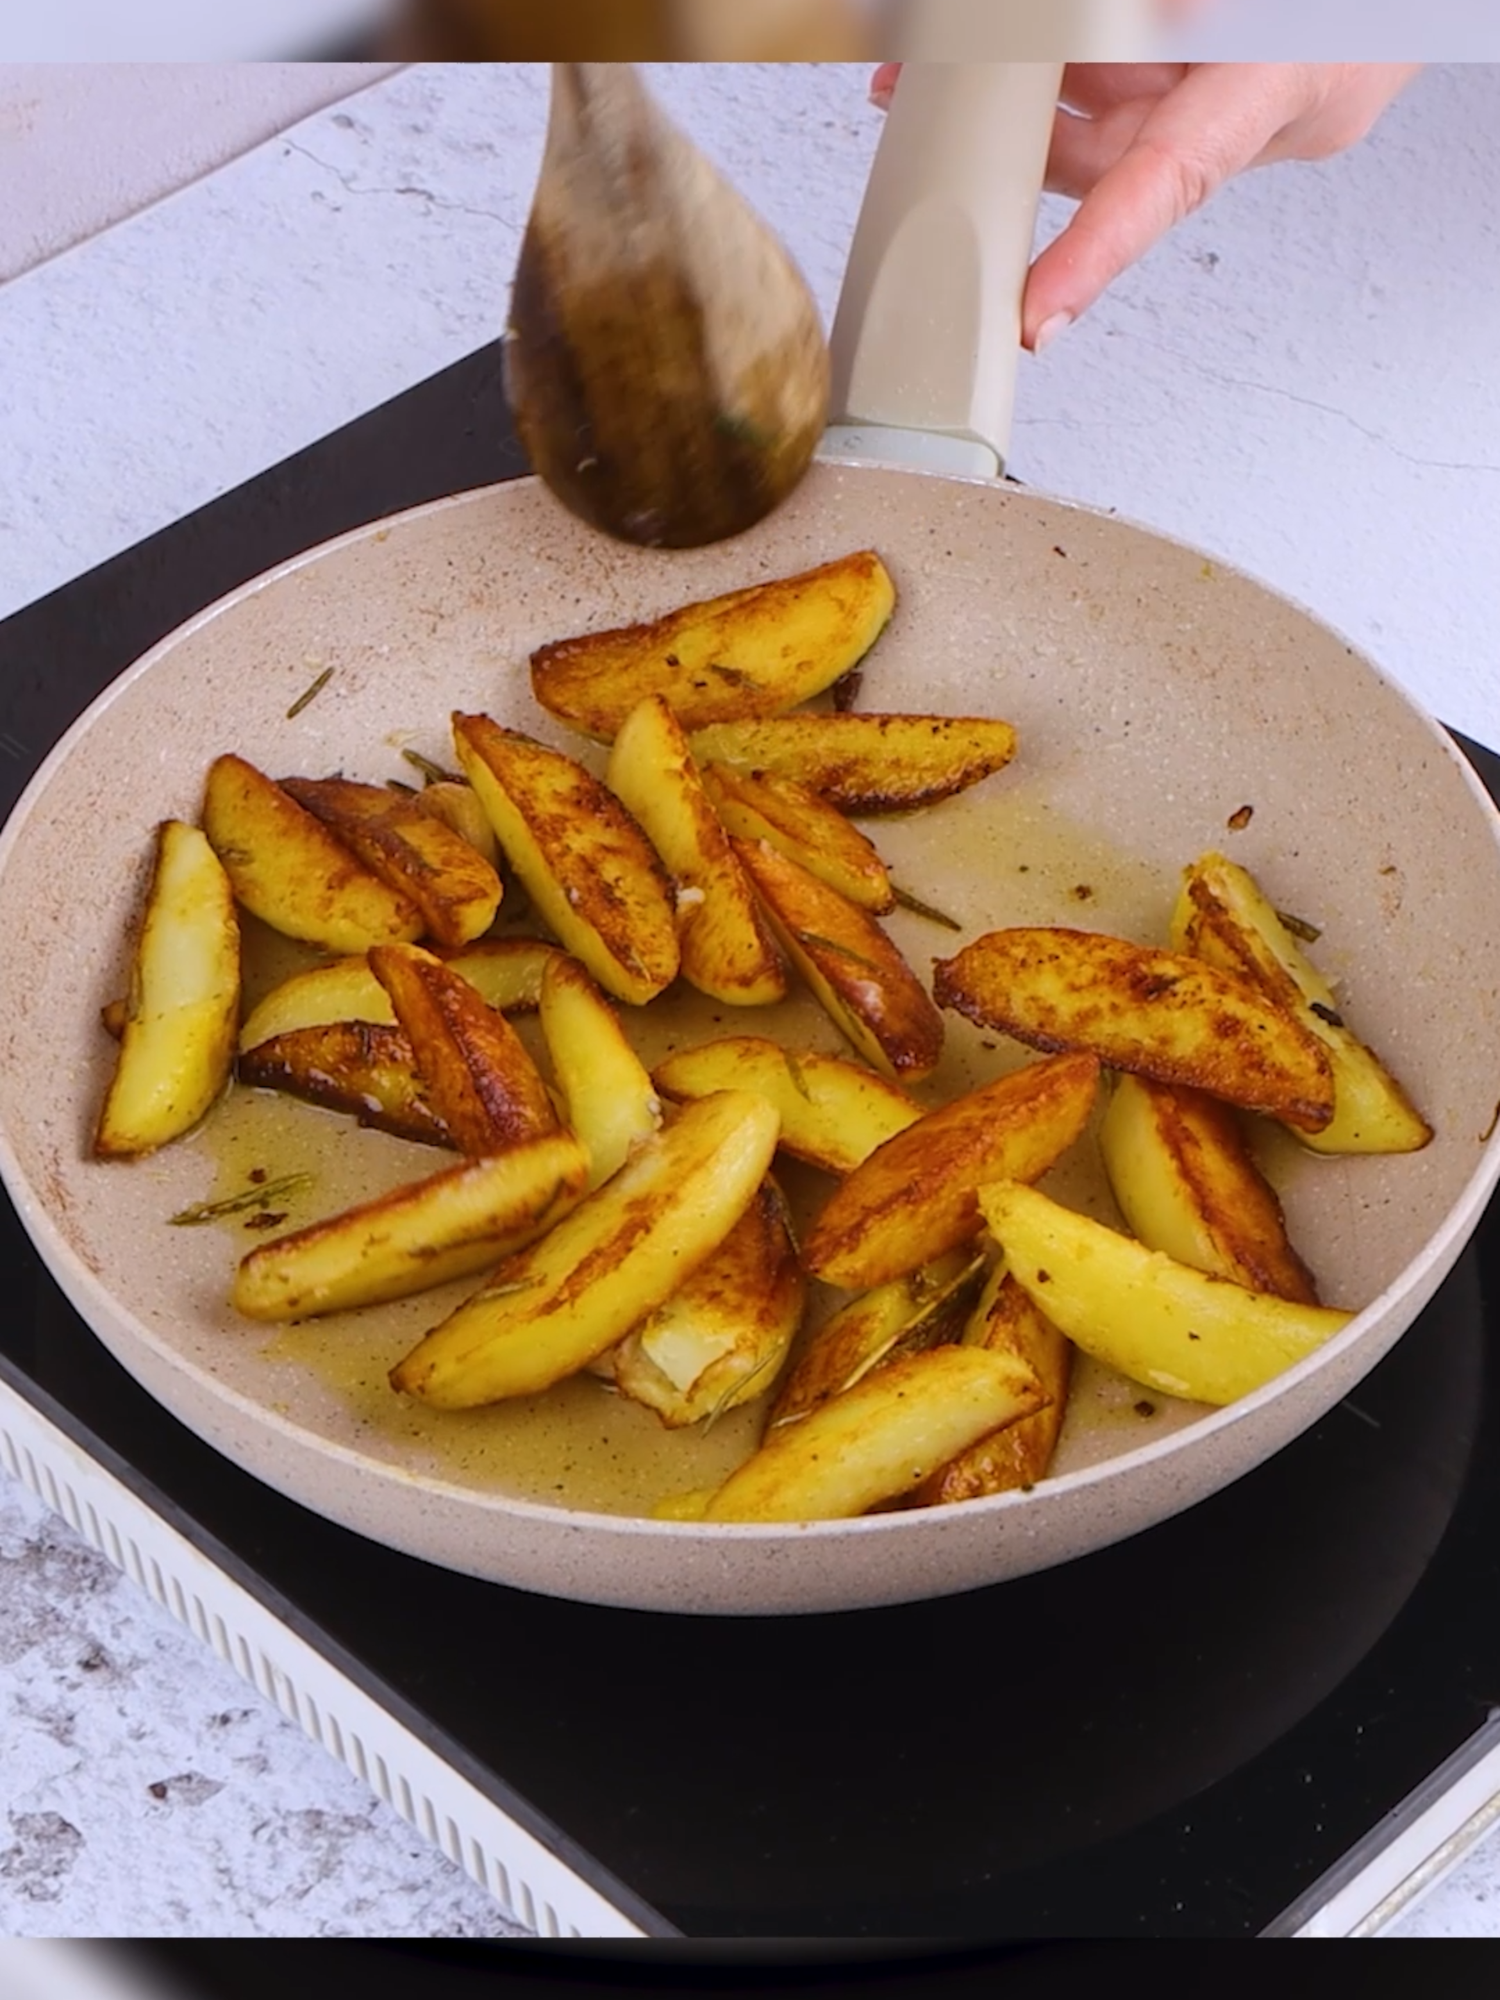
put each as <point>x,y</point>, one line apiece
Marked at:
<point>1178,1736</point>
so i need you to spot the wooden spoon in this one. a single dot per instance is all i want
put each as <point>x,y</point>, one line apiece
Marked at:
<point>665,361</point>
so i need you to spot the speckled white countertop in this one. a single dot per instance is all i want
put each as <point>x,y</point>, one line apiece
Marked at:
<point>1302,381</point>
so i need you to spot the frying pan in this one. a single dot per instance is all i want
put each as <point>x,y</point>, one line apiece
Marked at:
<point>1155,695</point>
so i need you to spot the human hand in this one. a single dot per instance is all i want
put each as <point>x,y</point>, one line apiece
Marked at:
<point>1142,145</point>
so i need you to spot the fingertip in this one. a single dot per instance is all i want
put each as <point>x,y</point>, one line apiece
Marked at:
<point>883,85</point>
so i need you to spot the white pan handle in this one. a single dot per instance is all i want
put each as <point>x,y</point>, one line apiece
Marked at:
<point>927,335</point>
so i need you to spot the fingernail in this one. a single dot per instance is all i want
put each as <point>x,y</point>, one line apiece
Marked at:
<point>1049,329</point>
<point>883,85</point>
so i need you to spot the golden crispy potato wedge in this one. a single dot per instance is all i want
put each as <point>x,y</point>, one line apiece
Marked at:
<point>917,1311</point>
<point>413,852</point>
<point>289,870</point>
<point>1017,1457</point>
<point>727,949</point>
<point>454,1225</point>
<point>1186,1183</point>
<point>177,1036</point>
<point>864,984</point>
<point>362,1068</point>
<point>592,874</point>
<point>759,805</point>
<point>1158,1013</point>
<point>611,1101</point>
<point>548,1312</point>
<point>881,1439</point>
<point>456,804</point>
<point>866,763</point>
<point>722,1337</point>
<point>915,1196</point>
<point>750,653</point>
<point>834,1113</point>
<point>1157,1321</point>
<point>1223,917</point>
<point>474,1068</point>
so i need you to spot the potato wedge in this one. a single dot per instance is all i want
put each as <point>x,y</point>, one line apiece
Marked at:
<point>881,1439</point>
<point>362,1068</point>
<point>722,1337</point>
<point>865,763</point>
<point>177,1039</point>
<point>611,1101</point>
<point>456,804</point>
<point>623,1251</point>
<point>289,870</point>
<point>759,805</point>
<point>866,987</point>
<point>834,1113</point>
<point>1159,1322</point>
<point>749,653</point>
<point>1186,1183</point>
<point>727,948</point>
<point>1159,1013</point>
<point>475,1070</point>
<point>586,865</point>
<point>915,1196</point>
<point>412,851</point>
<point>1223,917</point>
<point>459,1222</point>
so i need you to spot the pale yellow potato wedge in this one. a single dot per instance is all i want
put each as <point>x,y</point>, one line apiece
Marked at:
<point>548,1312</point>
<point>456,1224</point>
<point>362,1068</point>
<point>289,870</point>
<point>881,1439</point>
<point>861,980</point>
<point>722,1338</point>
<point>834,1112</point>
<point>865,763</point>
<point>476,1072</point>
<point>1158,1013</point>
<point>457,805</point>
<point>177,1037</point>
<point>1159,1322</point>
<point>588,868</point>
<point>917,1311</point>
<point>1186,1182</point>
<point>1223,917</point>
<point>727,948</point>
<point>760,805</point>
<point>611,1102</point>
<point>916,1196</point>
<point>413,852</point>
<point>750,653</point>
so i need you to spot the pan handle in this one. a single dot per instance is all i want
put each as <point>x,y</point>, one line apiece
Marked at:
<point>926,338</point>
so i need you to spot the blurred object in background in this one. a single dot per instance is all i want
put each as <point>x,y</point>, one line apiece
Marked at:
<point>1020,30</point>
<point>633,30</point>
<point>189,31</point>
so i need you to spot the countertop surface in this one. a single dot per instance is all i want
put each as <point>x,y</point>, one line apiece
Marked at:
<point>1301,381</point>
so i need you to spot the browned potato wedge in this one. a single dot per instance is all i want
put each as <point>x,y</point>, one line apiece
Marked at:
<point>749,653</point>
<point>1157,1321</point>
<point>1018,1456</point>
<point>177,1037</point>
<point>881,1439</point>
<point>1223,917</point>
<point>834,1113</point>
<point>587,866</point>
<point>914,1197</point>
<point>289,870</point>
<point>475,1070</point>
<point>457,805</point>
<point>363,1068</point>
<point>727,949</point>
<point>623,1251</point>
<point>1160,1013</point>
<point>867,988</point>
<point>907,1314</point>
<point>454,1225</point>
<point>611,1101</point>
<point>411,850</point>
<point>759,805</point>
<point>1186,1183</point>
<point>721,1338</point>
<point>866,763</point>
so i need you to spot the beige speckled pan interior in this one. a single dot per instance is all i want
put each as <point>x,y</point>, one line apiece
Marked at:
<point>1155,694</point>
